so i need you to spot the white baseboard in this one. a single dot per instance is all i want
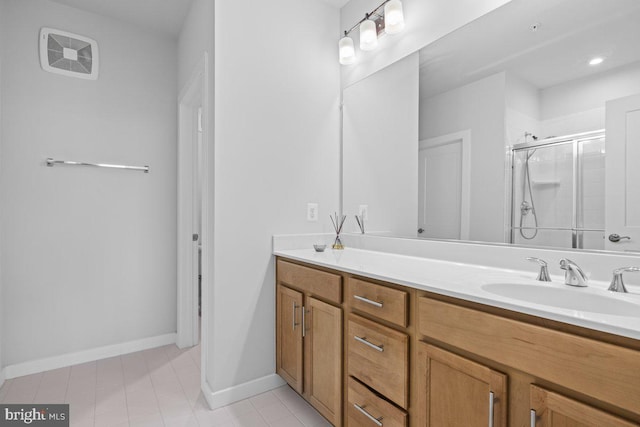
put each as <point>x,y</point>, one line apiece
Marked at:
<point>233,394</point>
<point>69,359</point>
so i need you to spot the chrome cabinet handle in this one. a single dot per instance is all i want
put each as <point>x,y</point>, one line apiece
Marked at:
<point>532,421</point>
<point>293,319</point>
<point>368,301</point>
<point>491,402</point>
<point>304,323</point>
<point>364,341</point>
<point>615,238</point>
<point>368,415</point>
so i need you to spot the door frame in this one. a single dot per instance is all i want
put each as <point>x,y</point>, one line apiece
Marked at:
<point>193,95</point>
<point>465,190</point>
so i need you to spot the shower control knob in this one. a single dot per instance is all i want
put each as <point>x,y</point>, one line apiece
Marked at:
<point>420,230</point>
<point>615,238</point>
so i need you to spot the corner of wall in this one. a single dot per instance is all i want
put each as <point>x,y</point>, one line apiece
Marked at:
<point>239,392</point>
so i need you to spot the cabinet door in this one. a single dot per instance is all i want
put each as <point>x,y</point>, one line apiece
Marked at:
<point>289,336</point>
<point>323,349</point>
<point>454,391</point>
<point>549,409</point>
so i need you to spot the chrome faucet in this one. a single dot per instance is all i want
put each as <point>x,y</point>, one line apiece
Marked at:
<point>617,284</point>
<point>543,275</point>
<point>573,276</point>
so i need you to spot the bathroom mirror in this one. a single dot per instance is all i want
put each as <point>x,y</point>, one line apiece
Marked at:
<point>522,134</point>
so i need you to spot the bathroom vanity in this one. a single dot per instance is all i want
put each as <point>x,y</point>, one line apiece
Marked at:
<point>376,339</point>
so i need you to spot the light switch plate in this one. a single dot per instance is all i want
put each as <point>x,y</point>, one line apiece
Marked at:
<point>312,212</point>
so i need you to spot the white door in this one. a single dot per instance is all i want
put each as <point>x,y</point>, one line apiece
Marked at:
<point>622,194</point>
<point>443,187</point>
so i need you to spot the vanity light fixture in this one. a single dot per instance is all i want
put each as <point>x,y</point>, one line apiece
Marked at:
<point>596,61</point>
<point>368,34</point>
<point>347,51</point>
<point>386,18</point>
<point>393,17</point>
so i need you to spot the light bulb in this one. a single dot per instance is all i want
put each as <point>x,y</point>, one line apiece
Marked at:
<point>368,35</point>
<point>393,17</point>
<point>596,61</point>
<point>346,50</point>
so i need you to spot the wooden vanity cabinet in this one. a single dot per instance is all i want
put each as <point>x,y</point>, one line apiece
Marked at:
<point>289,342</point>
<point>309,336</point>
<point>409,358</point>
<point>582,368</point>
<point>377,344</point>
<point>454,391</point>
<point>549,409</point>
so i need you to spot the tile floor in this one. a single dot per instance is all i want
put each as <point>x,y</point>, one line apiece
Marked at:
<point>153,388</point>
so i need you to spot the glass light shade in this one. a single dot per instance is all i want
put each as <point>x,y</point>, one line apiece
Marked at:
<point>347,51</point>
<point>393,17</point>
<point>368,35</point>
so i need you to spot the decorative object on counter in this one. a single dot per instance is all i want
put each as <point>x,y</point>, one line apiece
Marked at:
<point>360,221</point>
<point>319,248</point>
<point>338,222</point>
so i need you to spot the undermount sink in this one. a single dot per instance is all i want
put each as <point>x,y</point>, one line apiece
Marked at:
<point>571,299</point>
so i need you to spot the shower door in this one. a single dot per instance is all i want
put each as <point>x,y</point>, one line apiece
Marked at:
<point>557,192</point>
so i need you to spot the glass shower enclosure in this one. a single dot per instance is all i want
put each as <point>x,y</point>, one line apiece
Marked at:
<point>557,192</point>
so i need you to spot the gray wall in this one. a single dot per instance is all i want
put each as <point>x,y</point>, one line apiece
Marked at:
<point>88,255</point>
<point>276,148</point>
<point>480,108</point>
<point>380,149</point>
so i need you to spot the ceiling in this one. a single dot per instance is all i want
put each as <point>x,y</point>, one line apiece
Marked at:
<point>336,3</point>
<point>165,16</point>
<point>569,34</point>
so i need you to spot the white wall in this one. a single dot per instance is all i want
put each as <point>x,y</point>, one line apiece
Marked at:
<point>196,37</point>
<point>276,148</point>
<point>522,110</point>
<point>480,108</point>
<point>380,149</point>
<point>426,21</point>
<point>578,106</point>
<point>88,255</point>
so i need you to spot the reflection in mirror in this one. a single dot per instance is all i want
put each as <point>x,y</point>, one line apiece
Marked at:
<point>513,122</point>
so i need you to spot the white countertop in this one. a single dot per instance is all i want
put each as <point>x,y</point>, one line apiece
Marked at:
<point>468,282</point>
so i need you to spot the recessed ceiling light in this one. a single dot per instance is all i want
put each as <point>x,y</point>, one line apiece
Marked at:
<point>596,61</point>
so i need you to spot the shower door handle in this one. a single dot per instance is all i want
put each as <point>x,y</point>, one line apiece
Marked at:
<point>615,238</point>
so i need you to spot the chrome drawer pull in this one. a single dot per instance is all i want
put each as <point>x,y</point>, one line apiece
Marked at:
<point>368,301</point>
<point>368,415</point>
<point>363,340</point>
<point>293,319</point>
<point>533,418</point>
<point>304,324</point>
<point>491,402</point>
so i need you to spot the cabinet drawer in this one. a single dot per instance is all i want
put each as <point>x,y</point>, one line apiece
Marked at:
<point>378,356</point>
<point>381,301</point>
<point>309,280</point>
<point>365,407</point>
